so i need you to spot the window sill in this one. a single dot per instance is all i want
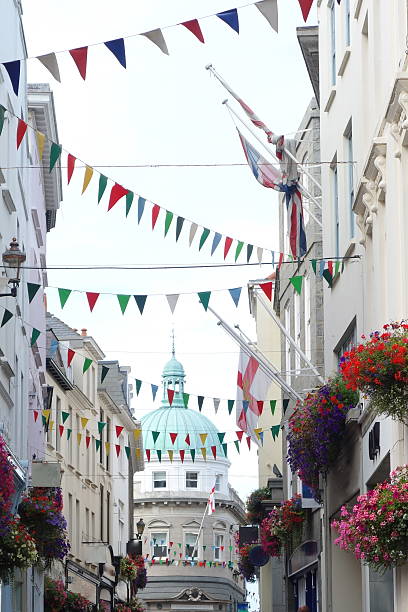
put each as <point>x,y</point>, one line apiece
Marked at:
<point>344,61</point>
<point>330,99</point>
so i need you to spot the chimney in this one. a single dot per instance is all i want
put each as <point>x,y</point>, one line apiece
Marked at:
<point>84,332</point>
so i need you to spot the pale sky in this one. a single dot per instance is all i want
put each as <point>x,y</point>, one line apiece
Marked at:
<point>166,110</point>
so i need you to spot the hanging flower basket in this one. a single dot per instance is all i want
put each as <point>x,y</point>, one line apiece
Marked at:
<point>282,526</point>
<point>17,550</point>
<point>55,595</point>
<point>255,511</point>
<point>379,368</point>
<point>316,429</point>
<point>135,605</point>
<point>77,603</point>
<point>6,489</point>
<point>246,568</point>
<point>376,529</point>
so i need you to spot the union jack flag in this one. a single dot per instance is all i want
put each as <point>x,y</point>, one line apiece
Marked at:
<point>264,172</point>
<point>296,228</point>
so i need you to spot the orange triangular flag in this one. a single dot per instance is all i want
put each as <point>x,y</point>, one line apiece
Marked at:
<point>87,178</point>
<point>203,437</point>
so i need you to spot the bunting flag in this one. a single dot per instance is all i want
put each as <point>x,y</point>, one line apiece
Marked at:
<point>21,130</point>
<point>156,37</point>
<point>138,385</point>
<point>203,438</point>
<point>172,301</point>
<point>55,153</point>
<point>79,438</point>
<point>216,242</point>
<point>187,439</point>
<point>179,226</point>
<point>285,404</point>
<point>305,6</point>
<point>267,289</point>
<point>186,397</point>
<point>297,283</point>
<point>155,215</point>
<point>148,454</point>
<point>117,192</point>
<point>214,451</point>
<point>92,298</point>
<point>127,451</point>
<point>103,181</point>
<point>204,298</point>
<point>275,431</point>
<point>155,435</point>
<point>117,448</point>
<point>87,441</point>
<point>159,454</point>
<point>204,236</point>
<point>129,201</point>
<point>170,395</point>
<point>216,404</point>
<point>101,425</point>
<point>2,117</point>
<point>34,336</point>
<point>104,372</point>
<point>239,435</point>
<point>200,400</point>
<point>87,363</point>
<point>227,246</point>
<point>170,454</point>
<point>181,453</point>
<point>235,294</point>
<point>84,422</point>
<point>118,429</point>
<point>87,178</point>
<point>231,18</point>
<point>173,437</point>
<point>123,302</point>
<point>107,447</point>
<point>64,416</point>
<point>80,57</point>
<point>136,434</point>
<point>70,356</point>
<point>63,296</point>
<point>269,9</point>
<point>272,404</point>
<point>117,47</point>
<point>194,28</point>
<point>13,70</point>
<point>236,442</point>
<point>230,405</point>
<point>192,454</point>
<point>154,391</point>
<point>61,430</point>
<point>140,301</point>
<point>36,413</point>
<point>204,453</point>
<point>49,61</point>
<point>97,444</point>
<point>140,208</point>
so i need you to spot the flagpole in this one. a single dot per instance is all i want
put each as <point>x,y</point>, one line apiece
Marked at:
<point>199,531</point>
<point>301,187</point>
<point>288,153</point>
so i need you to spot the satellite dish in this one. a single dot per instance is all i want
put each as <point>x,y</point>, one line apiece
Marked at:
<point>258,557</point>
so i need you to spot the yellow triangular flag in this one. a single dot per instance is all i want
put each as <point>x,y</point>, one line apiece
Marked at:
<point>40,143</point>
<point>136,433</point>
<point>171,453</point>
<point>137,450</point>
<point>79,437</point>
<point>107,447</point>
<point>258,430</point>
<point>46,413</point>
<point>204,453</point>
<point>51,425</point>
<point>84,421</point>
<point>87,177</point>
<point>203,438</point>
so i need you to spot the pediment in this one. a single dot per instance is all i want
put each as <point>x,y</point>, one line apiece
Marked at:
<point>191,525</point>
<point>156,523</point>
<point>194,594</point>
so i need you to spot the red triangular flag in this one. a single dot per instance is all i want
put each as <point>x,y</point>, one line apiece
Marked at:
<point>155,214</point>
<point>249,442</point>
<point>239,435</point>
<point>119,430</point>
<point>92,297</point>
<point>214,451</point>
<point>170,395</point>
<point>305,6</point>
<point>71,354</point>
<point>116,193</point>
<point>227,246</point>
<point>280,260</point>
<point>182,455</point>
<point>171,544</point>
<point>267,289</point>
<point>148,454</point>
<point>173,437</point>
<point>330,266</point>
<point>188,439</point>
<point>260,406</point>
<point>35,414</point>
<point>194,28</point>
<point>87,441</point>
<point>21,130</point>
<point>71,165</point>
<point>61,429</point>
<point>117,447</point>
<point>80,56</point>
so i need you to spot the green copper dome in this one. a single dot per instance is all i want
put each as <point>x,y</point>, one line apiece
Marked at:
<point>173,368</point>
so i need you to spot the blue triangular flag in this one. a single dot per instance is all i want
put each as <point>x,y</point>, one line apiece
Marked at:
<point>216,242</point>
<point>140,208</point>
<point>179,225</point>
<point>140,301</point>
<point>53,347</point>
<point>245,405</point>
<point>231,18</point>
<point>154,391</point>
<point>321,266</point>
<point>117,47</point>
<point>13,69</point>
<point>235,294</point>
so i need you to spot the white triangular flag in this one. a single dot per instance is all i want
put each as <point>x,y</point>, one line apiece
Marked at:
<point>193,230</point>
<point>259,252</point>
<point>157,38</point>
<point>269,9</point>
<point>49,60</point>
<point>172,300</point>
<point>216,401</point>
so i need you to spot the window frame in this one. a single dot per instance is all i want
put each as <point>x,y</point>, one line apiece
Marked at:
<point>193,556</point>
<point>189,479</point>
<point>218,553</point>
<point>154,479</point>
<point>165,545</point>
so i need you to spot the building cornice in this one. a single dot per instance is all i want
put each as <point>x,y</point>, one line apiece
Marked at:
<point>227,504</point>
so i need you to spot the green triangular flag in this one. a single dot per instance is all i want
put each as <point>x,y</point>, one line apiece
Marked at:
<point>69,432</point>
<point>63,296</point>
<point>158,451</point>
<point>87,363</point>
<point>186,397</point>
<point>155,435</point>
<point>238,249</point>
<point>192,453</point>
<point>129,199</point>
<point>103,181</point>
<point>224,448</point>
<point>314,265</point>
<point>204,298</point>
<point>127,451</point>
<point>328,277</point>
<point>167,222</point>
<point>34,336</point>
<point>123,302</point>
<point>32,289</point>
<point>97,444</point>
<point>54,154</point>
<point>297,283</point>
<point>64,415</point>
<point>6,317</point>
<point>230,406</point>
<point>285,404</point>
<point>44,420</point>
<point>236,442</point>
<point>272,404</point>
<point>101,425</point>
<point>204,236</point>
<point>138,385</point>
<point>336,268</point>
<point>104,372</point>
<point>275,431</point>
<point>2,112</point>
<point>221,437</point>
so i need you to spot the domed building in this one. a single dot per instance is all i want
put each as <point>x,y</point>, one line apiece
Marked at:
<point>190,556</point>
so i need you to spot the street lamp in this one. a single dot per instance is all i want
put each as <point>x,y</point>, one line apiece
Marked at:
<point>134,546</point>
<point>13,257</point>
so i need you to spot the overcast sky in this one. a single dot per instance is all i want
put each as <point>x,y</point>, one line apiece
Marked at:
<point>165,110</point>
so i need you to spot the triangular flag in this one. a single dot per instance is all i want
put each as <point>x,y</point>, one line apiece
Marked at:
<point>87,440</point>
<point>49,60</point>
<point>154,390</point>
<point>117,448</point>
<point>194,28</point>
<point>257,431</point>
<point>127,451</point>
<point>61,429</point>
<point>260,405</point>
<point>235,294</point>
<point>64,415</point>
<point>63,296</point>
<point>173,437</point>
<point>275,431</point>
<point>148,454</point>
<point>204,298</point>
<point>172,301</point>
<point>170,395</point>
<point>216,242</point>
<point>238,249</point>
<point>285,404</point>
<point>314,262</point>
<point>239,435</point>
<point>69,432</point>
<point>214,451</point>
<point>248,439</point>
<point>328,277</point>
<point>87,178</point>
<point>157,38</point>
<point>305,6</point>
<point>227,246</point>
<point>181,452</point>
<point>21,130</point>
<point>117,192</point>
<point>140,301</point>
<point>203,437</point>
<point>136,434</point>
<point>245,405</point>
<point>216,401</point>
<point>230,406</point>
<point>53,347</point>
<point>104,372</point>
<point>87,363</point>
<point>193,230</point>
<point>34,336</point>
<point>155,435</point>
<point>92,297</point>
<point>80,56</point>
<point>129,201</point>
<point>221,437</point>
<point>155,214</point>
<point>138,453</point>
<point>170,453</point>
<point>272,404</point>
<point>117,47</point>
<point>35,415</point>
<point>336,268</point>
<point>203,238</point>
<point>259,254</point>
<point>2,117</point>
<point>186,397</point>
<point>138,385</point>
<point>192,453</point>
<point>101,425</point>
<point>70,167</point>
<point>13,70</point>
<point>70,357</point>
<point>118,429</point>
<point>261,437</point>
<point>167,221</point>
<point>159,454</point>
<point>140,207</point>
<point>200,400</point>
<point>225,449</point>
<point>250,248</point>
<point>40,142</point>
<point>297,283</point>
<point>267,289</point>
<point>179,226</point>
<point>231,18</point>
<point>107,447</point>
<point>204,453</point>
<point>123,302</point>
<point>103,181</point>
<point>55,152</point>
<point>269,9</point>
<point>46,413</point>
<point>236,442</point>
<point>187,440</point>
<point>79,438</point>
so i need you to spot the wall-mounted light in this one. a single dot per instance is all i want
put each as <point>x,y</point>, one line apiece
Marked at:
<point>13,257</point>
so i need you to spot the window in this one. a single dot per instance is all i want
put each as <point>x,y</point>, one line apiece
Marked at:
<point>87,534</point>
<point>159,480</point>
<point>297,331</point>
<point>308,336</point>
<point>190,540</point>
<point>108,515</point>
<point>347,22</point>
<point>93,526</point>
<point>191,480</point>
<point>70,517</point>
<point>336,218</point>
<point>350,177</point>
<point>101,508</point>
<point>287,343</point>
<point>88,457</point>
<point>78,447</point>
<point>101,417</point>
<point>333,41</point>
<point>347,342</point>
<point>306,184</point>
<point>218,482</point>
<point>57,423</point>
<point>219,546</point>
<point>70,437</point>
<point>78,528</point>
<point>108,428</point>
<point>159,544</point>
